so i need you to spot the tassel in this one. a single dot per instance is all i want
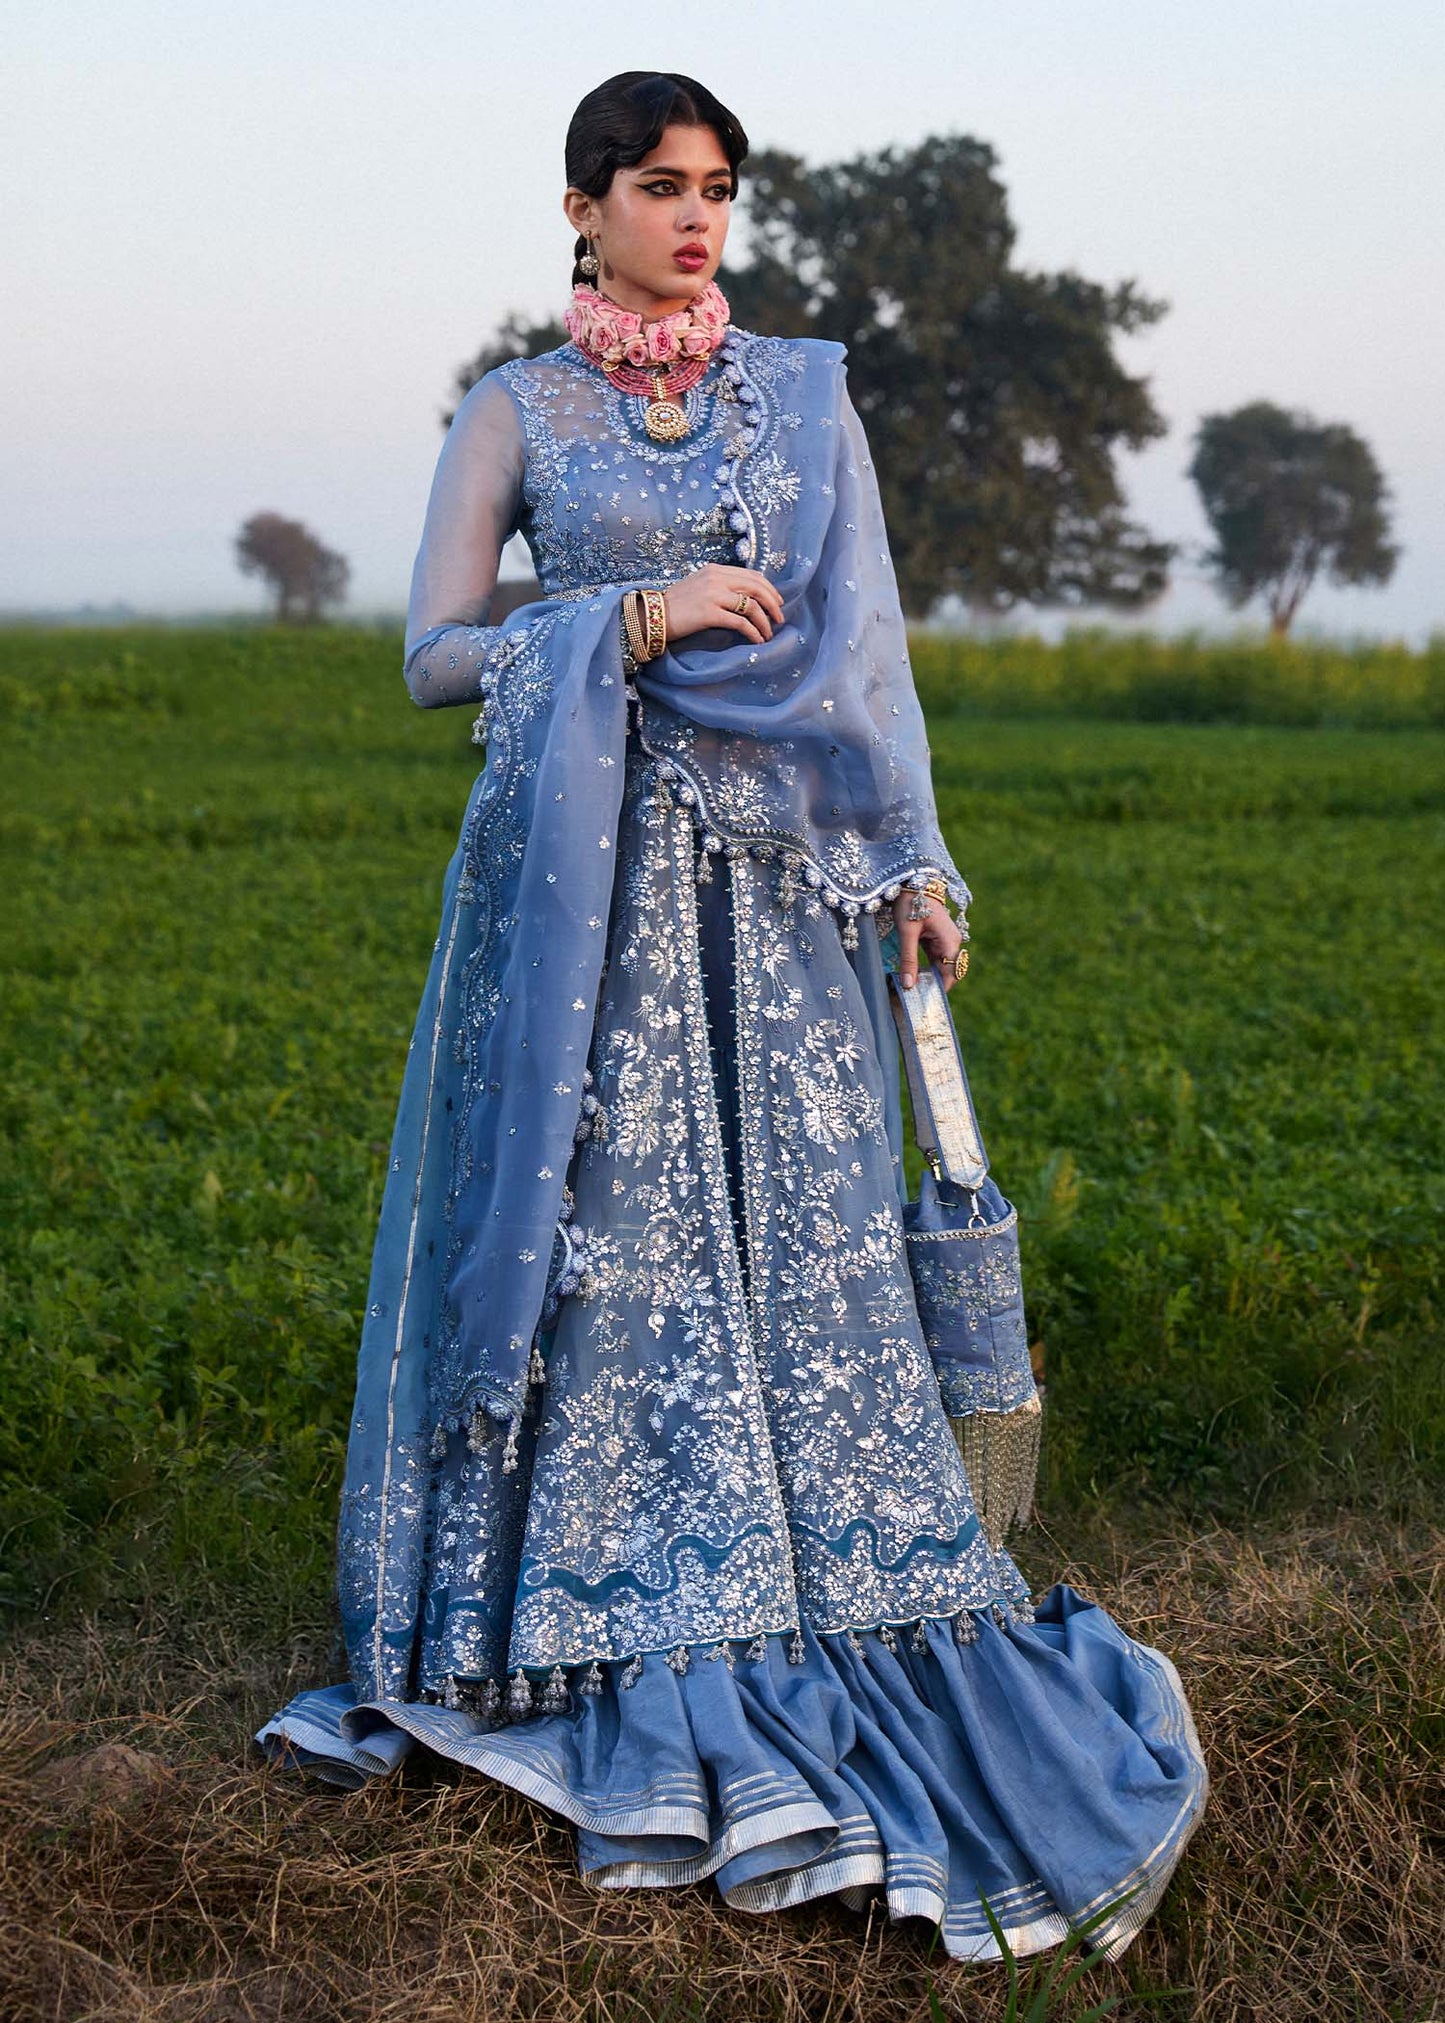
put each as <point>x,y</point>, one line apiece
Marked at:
<point>1000,1453</point>
<point>592,1681</point>
<point>677,1660</point>
<point>536,1368</point>
<point>965,1629</point>
<point>797,1654</point>
<point>886,1637</point>
<point>555,1697</point>
<point>519,1697</point>
<point>704,868</point>
<point>632,1673</point>
<point>489,1701</point>
<point>509,1452</point>
<point>919,1639</point>
<point>757,1651</point>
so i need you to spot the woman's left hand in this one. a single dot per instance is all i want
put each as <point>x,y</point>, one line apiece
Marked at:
<point>938,935</point>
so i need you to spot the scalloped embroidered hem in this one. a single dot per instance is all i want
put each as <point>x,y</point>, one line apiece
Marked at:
<point>801,873</point>
<point>1051,1766</point>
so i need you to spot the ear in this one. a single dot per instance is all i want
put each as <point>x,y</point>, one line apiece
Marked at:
<point>581,212</point>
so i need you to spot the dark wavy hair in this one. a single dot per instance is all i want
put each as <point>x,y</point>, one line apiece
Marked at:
<point>624,119</point>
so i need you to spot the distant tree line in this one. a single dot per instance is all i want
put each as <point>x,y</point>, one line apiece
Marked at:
<point>997,407</point>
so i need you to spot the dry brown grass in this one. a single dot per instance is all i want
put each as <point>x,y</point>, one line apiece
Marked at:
<point>1313,1890</point>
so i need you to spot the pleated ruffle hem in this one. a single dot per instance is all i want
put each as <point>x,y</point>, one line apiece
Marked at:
<point>1050,1765</point>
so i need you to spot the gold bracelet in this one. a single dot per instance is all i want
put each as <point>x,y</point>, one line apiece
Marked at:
<point>936,889</point>
<point>656,610</point>
<point>632,619</point>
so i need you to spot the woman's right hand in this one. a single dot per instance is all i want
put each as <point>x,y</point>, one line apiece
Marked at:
<point>710,595</point>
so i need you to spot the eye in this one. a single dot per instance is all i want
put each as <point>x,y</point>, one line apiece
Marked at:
<point>666,186</point>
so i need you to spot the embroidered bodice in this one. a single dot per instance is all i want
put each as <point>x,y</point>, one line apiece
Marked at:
<point>549,448</point>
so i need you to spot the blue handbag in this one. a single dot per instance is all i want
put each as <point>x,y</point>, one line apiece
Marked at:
<point>962,1239</point>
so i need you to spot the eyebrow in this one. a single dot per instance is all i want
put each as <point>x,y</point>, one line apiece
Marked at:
<point>661,169</point>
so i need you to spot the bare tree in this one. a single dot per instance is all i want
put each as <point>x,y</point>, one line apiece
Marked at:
<point>303,575</point>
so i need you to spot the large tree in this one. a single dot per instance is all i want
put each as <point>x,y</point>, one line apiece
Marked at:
<point>993,399</point>
<point>1287,496</point>
<point>302,574</point>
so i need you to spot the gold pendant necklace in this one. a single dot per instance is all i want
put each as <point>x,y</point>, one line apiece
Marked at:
<point>665,419</point>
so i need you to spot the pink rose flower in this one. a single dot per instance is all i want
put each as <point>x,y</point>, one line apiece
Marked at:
<point>614,335</point>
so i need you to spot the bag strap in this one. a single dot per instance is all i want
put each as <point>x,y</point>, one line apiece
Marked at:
<point>944,1121</point>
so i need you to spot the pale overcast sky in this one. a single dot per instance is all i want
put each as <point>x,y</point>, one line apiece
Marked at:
<point>246,248</point>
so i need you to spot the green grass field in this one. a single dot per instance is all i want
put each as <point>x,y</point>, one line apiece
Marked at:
<point>1203,1024</point>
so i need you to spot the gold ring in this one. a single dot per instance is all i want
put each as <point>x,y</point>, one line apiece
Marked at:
<point>960,965</point>
<point>741,606</point>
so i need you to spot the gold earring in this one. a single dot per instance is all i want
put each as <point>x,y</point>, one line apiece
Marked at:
<point>588,264</point>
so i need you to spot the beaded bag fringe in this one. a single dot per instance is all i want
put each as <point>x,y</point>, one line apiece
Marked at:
<point>1000,1452</point>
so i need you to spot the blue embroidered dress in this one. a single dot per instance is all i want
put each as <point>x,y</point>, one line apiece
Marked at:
<point>652,1509</point>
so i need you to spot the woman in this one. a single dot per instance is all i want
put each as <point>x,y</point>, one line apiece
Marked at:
<point>652,1507</point>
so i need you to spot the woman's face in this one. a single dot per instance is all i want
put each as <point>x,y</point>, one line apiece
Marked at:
<point>673,202</point>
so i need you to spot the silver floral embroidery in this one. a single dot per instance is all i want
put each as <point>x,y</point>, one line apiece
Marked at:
<point>708,1461</point>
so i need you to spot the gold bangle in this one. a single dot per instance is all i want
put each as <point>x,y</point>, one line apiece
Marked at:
<point>632,619</point>
<point>936,889</point>
<point>656,610</point>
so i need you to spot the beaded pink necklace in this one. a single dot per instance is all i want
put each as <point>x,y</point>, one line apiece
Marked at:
<point>661,359</point>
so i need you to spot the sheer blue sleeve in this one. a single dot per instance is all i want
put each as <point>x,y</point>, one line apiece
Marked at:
<point>473,511</point>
